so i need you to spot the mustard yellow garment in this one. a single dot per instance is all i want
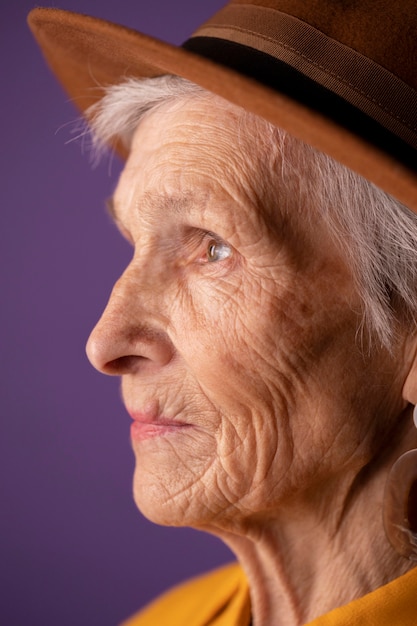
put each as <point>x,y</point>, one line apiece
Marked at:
<point>221,598</point>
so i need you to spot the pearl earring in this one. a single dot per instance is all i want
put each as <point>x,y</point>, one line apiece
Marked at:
<point>400,505</point>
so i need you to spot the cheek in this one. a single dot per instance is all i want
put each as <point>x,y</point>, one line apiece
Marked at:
<point>239,349</point>
<point>242,334</point>
<point>267,346</point>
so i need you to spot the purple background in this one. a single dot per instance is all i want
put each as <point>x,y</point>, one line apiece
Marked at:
<point>74,548</point>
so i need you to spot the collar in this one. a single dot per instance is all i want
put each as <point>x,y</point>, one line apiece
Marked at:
<point>394,604</point>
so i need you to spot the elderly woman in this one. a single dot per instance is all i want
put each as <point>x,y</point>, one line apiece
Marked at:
<point>264,330</point>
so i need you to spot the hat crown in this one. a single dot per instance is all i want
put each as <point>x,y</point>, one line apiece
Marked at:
<point>382,30</point>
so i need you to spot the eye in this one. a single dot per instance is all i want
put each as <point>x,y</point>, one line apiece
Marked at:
<point>218,251</point>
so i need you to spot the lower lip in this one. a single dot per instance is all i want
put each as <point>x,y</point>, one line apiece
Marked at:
<point>140,431</point>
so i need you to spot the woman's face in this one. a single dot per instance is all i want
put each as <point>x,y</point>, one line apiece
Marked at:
<point>234,329</point>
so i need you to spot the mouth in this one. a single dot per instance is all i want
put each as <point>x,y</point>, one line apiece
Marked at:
<point>148,426</point>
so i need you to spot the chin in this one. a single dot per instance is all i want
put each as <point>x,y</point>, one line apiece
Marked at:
<point>166,490</point>
<point>158,506</point>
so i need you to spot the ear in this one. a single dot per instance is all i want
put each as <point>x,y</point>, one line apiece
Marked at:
<point>409,392</point>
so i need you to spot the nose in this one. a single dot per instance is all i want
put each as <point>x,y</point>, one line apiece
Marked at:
<point>130,335</point>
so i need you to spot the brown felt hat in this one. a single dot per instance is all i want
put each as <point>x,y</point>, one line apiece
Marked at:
<point>339,74</point>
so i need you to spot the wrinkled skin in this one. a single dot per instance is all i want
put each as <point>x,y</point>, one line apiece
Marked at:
<point>238,322</point>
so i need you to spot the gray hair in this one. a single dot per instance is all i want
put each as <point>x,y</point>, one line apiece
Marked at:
<point>375,232</point>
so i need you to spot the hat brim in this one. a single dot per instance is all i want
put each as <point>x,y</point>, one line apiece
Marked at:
<point>89,54</point>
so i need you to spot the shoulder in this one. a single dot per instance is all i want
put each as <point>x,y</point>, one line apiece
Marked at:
<point>198,600</point>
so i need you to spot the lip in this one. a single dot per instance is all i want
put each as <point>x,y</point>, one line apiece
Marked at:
<point>148,426</point>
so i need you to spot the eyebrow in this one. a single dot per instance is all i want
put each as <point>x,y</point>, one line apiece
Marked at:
<point>178,204</point>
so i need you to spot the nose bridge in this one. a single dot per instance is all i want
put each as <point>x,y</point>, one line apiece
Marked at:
<point>138,293</point>
<point>133,324</point>
<point>144,279</point>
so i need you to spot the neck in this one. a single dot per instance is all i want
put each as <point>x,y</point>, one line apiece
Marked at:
<point>319,553</point>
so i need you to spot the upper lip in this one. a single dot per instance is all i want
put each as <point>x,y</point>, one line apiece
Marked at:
<point>151,417</point>
<point>148,412</point>
<point>147,417</point>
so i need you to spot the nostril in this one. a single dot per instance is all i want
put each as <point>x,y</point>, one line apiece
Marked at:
<point>124,364</point>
